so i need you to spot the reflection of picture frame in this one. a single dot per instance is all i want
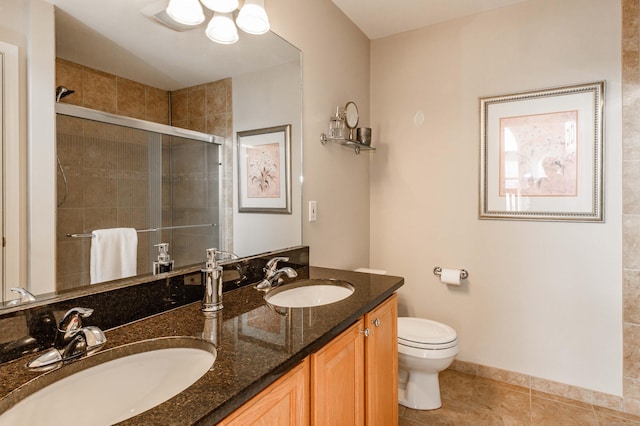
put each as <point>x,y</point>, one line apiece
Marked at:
<point>264,170</point>
<point>541,155</point>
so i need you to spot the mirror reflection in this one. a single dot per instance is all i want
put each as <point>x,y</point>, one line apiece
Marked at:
<point>165,187</point>
<point>114,57</point>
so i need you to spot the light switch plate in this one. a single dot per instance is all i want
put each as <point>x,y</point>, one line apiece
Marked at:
<point>313,211</point>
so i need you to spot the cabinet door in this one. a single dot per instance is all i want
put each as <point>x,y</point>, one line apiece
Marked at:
<point>285,402</point>
<point>337,384</point>
<point>381,361</point>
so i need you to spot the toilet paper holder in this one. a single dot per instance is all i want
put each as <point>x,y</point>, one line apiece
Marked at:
<point>463,272</point>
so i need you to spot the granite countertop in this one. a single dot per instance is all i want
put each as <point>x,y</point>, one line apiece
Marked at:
<point>256,345</point>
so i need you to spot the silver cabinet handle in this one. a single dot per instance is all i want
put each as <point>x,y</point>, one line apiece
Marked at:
<point>376,322</point>
<point>365,332</point>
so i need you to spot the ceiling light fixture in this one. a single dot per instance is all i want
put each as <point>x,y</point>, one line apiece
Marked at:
<point>221,29</point>
<point>186,12</point>
<point>253,18</point>
<point>222,6</point>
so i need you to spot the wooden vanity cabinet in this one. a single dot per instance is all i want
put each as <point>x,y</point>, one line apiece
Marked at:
<point>337,380</point>
<point>354,378</point>
<point>284,403</point>
<point>381,364</point>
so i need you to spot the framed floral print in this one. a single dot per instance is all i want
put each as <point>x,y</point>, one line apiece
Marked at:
<point>541,155</point>
<point>264,170</point>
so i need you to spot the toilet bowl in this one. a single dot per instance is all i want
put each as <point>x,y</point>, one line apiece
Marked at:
<point>425,348</point>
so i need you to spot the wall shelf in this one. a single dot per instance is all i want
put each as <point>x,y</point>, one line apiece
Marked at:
<point>351,144</point>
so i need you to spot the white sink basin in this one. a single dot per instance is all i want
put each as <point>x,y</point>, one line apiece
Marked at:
<point>309,293</point>
<point>102,390</point>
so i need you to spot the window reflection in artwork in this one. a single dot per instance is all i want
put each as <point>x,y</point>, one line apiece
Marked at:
<point>538,155</point>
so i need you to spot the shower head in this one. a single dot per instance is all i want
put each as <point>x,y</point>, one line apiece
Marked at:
<point>61,92</point>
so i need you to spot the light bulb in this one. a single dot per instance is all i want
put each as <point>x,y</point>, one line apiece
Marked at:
<point>186,12</point>
<point>221,29</point>
<point>222,6</point>
<point>253,18</point>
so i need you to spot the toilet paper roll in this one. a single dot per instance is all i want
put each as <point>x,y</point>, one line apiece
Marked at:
<point>451,276</point>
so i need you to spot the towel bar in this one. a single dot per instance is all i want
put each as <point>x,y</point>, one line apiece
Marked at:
<point>147,230</point>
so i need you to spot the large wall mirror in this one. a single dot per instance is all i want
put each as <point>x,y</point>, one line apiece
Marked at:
<point>118,59</point>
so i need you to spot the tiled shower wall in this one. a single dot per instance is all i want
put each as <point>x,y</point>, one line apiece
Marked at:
<point>106,169</point>
<point>109,93</point>
<point>208,108</point>
<point>111,193</point>
<point>631,203</point>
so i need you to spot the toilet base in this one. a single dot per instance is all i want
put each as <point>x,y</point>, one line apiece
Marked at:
<point>422,391</point>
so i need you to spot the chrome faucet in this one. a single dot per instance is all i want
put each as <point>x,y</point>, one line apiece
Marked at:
<point>212,280</point>
<point>72,341</point>
<point>25,296</point>
<point>272,275</point>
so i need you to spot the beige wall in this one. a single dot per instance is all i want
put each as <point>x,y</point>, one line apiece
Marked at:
<point>543,299</point>
<point>335,65</point>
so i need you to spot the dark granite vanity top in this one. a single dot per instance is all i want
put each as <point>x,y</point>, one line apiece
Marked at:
<point>256,345</point>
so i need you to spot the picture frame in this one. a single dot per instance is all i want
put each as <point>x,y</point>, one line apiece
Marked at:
<point>541,154</point>
<point>264,170</point>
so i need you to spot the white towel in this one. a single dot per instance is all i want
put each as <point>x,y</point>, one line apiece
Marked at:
<point>114,254</point>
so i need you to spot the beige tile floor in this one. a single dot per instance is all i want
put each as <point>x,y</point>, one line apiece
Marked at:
<point>475,401</point>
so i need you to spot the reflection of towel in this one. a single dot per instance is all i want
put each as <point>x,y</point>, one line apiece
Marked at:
<point>114,254</point>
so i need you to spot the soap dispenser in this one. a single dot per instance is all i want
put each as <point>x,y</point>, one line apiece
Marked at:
<point>164,262</point>
<point>336,125</point>
<point>212,280</point>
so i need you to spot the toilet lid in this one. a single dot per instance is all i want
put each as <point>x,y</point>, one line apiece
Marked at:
<point>424,333</point>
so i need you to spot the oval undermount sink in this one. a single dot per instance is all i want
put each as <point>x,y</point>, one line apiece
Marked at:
<point>309,293</point>
<point>112,385</point>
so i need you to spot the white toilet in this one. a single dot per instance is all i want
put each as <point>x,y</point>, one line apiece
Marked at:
<point>425,348</point>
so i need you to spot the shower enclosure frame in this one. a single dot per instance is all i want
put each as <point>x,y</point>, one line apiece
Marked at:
<point>162,129</point>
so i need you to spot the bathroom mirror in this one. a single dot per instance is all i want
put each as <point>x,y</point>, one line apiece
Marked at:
<point>122,38</point>
<point>351,115</point>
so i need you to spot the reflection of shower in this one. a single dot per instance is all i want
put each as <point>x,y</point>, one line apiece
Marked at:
<point>61,92</point>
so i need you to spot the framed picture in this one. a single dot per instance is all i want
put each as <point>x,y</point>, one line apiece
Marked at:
<point>264,170</point>
<point>541,155</point>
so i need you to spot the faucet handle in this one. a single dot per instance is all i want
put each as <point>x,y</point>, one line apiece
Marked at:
<point>72,319</point>
<point>272,264</point>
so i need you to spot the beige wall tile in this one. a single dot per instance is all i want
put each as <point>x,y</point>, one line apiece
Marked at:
<point>631,296</point>
<point>99,90</point>
<point>217,100</point>
<point>464,367</point>
<point>631,336</point>
<point>631,241</point>
<point>197,103</point>
<point>631,186</point>
<point>218,125</point>
<point>504,376</point>
<point>631,390</point>
<point>561,389</point>
<point>100,218</point>
<point>179,106</point>
<point>198,124</point>
<point>613,402</point>
<point>131,98</point>
<point>69,75</point>
<point>70,221</point>
<point>157,105</point>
